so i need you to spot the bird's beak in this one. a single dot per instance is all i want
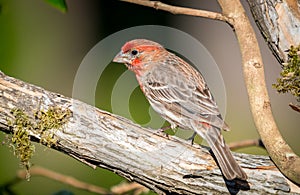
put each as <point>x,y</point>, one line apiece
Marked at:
<point>121,58</point>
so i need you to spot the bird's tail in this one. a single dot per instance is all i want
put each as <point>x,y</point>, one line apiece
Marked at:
<point>227,163</point>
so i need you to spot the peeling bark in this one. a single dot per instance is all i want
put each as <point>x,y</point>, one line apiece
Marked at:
<point>279,23</point>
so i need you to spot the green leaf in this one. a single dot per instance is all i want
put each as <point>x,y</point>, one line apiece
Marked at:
<point>61,5</point>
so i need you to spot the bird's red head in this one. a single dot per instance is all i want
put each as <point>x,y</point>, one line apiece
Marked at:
<point>138,54</point>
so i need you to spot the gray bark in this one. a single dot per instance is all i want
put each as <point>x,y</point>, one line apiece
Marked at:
<point>163,164</point>
<point>279,23</point>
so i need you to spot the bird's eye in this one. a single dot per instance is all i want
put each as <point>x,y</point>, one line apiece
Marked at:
<point>134,52</point>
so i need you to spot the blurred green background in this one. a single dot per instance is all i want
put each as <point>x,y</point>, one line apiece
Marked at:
<point>42,46</point>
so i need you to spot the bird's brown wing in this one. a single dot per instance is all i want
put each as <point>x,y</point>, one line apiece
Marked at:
<point>181,96</point>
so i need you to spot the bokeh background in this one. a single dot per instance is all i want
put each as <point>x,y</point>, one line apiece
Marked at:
<point>42,46</point>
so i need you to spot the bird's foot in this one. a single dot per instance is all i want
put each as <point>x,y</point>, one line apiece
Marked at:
<point>191,139</point>
<point>162,130</point>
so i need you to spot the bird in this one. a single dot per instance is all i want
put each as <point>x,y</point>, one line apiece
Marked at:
<point>180,95</point>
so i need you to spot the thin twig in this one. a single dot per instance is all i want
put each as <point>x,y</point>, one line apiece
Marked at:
<point>40,171</point>
<point>181,10</point>
<point>295,107</point>
<point>124,188</point>
<point>245,143</point>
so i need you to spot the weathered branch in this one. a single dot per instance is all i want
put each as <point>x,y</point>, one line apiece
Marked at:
<point>163,164</point>
<point>279,23</point>
<point>280,152</point>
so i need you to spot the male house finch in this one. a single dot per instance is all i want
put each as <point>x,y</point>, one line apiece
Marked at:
<point>180,95</point>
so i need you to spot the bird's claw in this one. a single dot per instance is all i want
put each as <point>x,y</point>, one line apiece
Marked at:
<point>162,130</point>
<point>192,138</point>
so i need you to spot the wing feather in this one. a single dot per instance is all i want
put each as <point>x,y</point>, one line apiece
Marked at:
<point>187,97</point>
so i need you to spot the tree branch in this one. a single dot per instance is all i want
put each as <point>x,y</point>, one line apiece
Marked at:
<point>245,143</point>
<point>295,107</point>
<point>98,138</point>
<point>125,188</point>
<point>180,10</point>
<point>40,171</point>
<point>279,23</point>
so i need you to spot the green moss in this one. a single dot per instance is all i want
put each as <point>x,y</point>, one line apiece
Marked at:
<point>53,118</point>
<point>40,123</point>
<point>290,74</point>
<point>20,140</point>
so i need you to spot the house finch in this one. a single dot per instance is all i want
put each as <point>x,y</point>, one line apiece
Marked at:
<point>180,95</point>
